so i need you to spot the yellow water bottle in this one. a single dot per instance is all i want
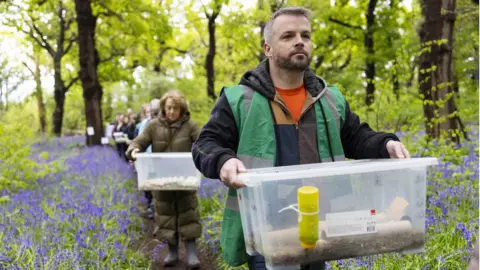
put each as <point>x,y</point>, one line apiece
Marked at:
<point>308,219</point>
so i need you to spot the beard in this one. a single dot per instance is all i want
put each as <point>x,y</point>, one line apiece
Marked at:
<point>293,62</point>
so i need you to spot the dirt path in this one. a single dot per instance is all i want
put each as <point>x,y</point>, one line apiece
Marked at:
<point>157,251</point>
<point>149,245</point>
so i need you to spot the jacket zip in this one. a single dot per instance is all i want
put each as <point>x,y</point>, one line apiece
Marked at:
<point>301,115</point>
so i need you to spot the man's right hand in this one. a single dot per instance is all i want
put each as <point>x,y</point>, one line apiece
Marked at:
<point>229,171</point>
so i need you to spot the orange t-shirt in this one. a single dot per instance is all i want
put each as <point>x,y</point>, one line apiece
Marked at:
<point>294,99</point>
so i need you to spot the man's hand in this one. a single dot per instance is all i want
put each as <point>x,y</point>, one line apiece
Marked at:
<point>397,150</point>
<point>229,171</point>
<point>134,153</point>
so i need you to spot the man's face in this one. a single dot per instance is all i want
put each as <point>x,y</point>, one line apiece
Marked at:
<point>291,45</point>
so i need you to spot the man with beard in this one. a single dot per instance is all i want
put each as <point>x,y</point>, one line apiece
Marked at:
<point>281,114</point>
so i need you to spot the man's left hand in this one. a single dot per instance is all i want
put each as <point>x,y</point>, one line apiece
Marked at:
<point>397,150</point>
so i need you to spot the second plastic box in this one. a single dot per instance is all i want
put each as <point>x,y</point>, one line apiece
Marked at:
<point>167,171</point>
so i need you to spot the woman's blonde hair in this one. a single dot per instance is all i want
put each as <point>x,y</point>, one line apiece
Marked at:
<point>177,97</point>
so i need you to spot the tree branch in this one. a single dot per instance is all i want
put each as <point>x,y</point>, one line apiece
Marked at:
<point>42,36</point>
<point>335,46</point>
<point>158,62</point>
<point>29,69</point>
<point>71,40</point>
<point>164,50</point>
<point>74,80</point>
<point>112,56</point>
<point>109,11</point>
<point>69,23</point>
<point>331,19</point>
<point>347,61</point>
<point>61,34</point>
<point>42,42</point>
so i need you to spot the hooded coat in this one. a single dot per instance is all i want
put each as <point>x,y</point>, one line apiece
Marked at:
<point>175,211</point>
<point>326,131</point>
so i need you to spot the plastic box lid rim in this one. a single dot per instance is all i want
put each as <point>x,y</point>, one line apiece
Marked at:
<point>255,176</point>
<point>164,155</point>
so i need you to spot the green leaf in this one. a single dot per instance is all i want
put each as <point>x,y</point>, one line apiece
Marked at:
<point>4,199</point>
<point>44,155</point>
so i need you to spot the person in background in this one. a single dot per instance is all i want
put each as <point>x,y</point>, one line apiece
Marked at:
<point>145,111</point>
<point>176,212</point>
<point>118,119</point>
<point>138,119</point>
<point>132,126</point>
<point>281,114</point>
<point>144,114</point>
<point>122,127</point>
<point>117,125</point>
<point>151,112</point>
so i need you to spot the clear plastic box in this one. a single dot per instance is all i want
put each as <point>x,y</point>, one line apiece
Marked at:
<point>167,171</point>
<point>120,137</point>
<point>366,207</point>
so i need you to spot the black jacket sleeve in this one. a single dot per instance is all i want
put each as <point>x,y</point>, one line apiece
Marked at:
<point>218,140</point>
<point>359,141</point>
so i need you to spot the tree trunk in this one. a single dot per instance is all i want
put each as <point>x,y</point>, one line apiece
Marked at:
<point>369,47</point>
<point>57,54</point>
<point>261,24</point>
<point>435,78</point>
<point>89,60</point>
<point>39,96</point>
<point>59,94</point>
<point>209,61</point>
<point>395,82</point>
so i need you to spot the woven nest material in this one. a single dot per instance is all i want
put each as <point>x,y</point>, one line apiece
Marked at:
<point>170,183</point>
<point>284,248</point>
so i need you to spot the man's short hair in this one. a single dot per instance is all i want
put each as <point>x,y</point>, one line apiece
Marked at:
<point>293,10</point>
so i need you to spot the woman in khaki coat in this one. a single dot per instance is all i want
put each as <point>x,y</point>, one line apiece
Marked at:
<point>176,212</point>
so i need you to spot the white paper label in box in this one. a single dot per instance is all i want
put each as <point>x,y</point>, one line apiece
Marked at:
<point>104,140</point>
<point>90,131</point>
<point>350,223</point>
